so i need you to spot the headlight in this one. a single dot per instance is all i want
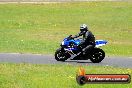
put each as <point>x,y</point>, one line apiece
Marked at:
<point>62,43</point>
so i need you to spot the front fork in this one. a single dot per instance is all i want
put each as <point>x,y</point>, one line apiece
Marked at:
<point>66,53</point>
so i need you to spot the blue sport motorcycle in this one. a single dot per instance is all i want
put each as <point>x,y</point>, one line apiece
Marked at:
<point>69,48</point>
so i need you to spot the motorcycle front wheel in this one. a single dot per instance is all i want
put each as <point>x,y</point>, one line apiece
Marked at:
<point>60,56</point>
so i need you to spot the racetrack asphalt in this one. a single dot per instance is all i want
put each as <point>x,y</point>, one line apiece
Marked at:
<point>49,59</point>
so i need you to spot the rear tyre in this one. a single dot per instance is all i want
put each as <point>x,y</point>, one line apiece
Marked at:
<point>97,55</point>
<point>60,56</point>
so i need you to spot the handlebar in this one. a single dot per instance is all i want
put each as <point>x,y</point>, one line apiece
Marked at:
<point>70,37</point>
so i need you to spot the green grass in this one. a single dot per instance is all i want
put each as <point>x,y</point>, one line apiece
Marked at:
<point>57,76</point>
<point>39,28</point>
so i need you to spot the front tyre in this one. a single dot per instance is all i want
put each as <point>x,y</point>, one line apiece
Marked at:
<point>97,55</point>
<point>60,56</point>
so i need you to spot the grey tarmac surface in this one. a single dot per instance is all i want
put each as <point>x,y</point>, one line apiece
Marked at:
<point>49,59</point>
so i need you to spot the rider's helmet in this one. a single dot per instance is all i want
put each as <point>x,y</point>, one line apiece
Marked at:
<point>83,28</point>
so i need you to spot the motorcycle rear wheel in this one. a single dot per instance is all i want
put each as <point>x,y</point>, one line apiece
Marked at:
<point>97,55</point>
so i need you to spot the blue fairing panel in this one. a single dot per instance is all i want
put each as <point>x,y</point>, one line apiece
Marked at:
<point>100,43</point>
<point>76,42</point>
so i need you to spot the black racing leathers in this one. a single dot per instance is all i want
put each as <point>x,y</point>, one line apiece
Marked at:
<point>88,42</point>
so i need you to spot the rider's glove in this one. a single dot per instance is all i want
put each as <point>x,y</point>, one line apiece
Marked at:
<point>71,37</point>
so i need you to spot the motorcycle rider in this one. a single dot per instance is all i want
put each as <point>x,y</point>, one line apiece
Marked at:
<point>88,42</point>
